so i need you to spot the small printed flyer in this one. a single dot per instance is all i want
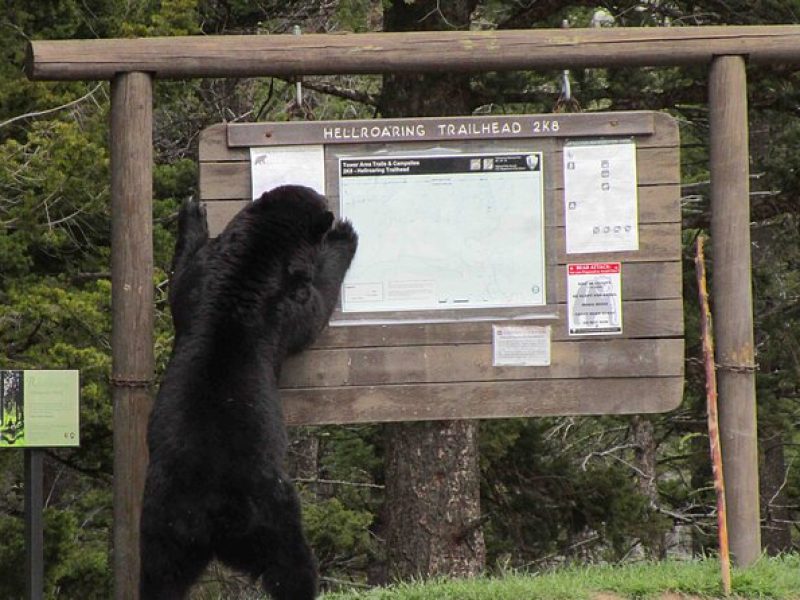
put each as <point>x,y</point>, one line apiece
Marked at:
<point>274,166</point>
<point>594,298</point>
<point>521,346</point>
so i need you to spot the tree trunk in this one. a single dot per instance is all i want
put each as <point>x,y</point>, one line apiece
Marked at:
<point>776,536</point>
<point>645,460</point>
<point>432,516</point>
<point>302,456</point>
<point>433,521</point>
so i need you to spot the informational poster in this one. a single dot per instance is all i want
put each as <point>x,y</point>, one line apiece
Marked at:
<point>274,166</point>
<point>600,201</point>
<point>444,231</point>
<point>594,298</point>
<point>39,408</point>
<point>520,346</point>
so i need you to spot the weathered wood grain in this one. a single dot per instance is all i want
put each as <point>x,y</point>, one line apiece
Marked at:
<point>213,144</point>
<point>473,362</point>
<point>490,400</point>
<point>132,355</point>
<point>442,129</point>
<point>428,51</point>
<point>733,302</point>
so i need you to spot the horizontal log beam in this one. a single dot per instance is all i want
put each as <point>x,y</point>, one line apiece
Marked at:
<point>429,51</point>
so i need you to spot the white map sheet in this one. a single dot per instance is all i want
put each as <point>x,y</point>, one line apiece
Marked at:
<point>444,232</point>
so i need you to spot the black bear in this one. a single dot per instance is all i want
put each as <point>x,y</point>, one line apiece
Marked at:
<point>242,302</point>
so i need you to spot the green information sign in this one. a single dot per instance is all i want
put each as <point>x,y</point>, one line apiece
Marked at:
<point>39,408</point>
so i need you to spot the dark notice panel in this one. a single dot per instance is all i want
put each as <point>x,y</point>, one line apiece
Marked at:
<point>444,370</point>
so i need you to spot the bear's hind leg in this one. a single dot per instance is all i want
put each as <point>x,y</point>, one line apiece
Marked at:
<point>274,549</point>
<point>174,544</point>
<point>281,559</point>
<point>168,569</point>
<point>292,572</point>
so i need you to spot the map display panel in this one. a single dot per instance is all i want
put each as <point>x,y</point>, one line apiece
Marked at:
<point>444,231</point>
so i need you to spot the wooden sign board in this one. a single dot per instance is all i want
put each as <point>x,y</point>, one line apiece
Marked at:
<point>448,368</point>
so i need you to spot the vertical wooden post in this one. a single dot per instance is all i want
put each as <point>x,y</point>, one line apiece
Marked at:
<point>733,302</point>
<point>132,303</point>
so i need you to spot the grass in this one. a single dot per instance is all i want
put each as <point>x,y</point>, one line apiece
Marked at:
<point>776,578</point>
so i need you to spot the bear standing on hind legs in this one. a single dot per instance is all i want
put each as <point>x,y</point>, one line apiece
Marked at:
<point>216,486</point>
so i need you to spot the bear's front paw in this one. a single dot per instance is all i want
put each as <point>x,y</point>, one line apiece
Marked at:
<point>342,231</point>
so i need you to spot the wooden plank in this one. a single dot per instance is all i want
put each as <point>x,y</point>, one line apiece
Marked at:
<point>213,146</point>
<point>219,213</point>
<point>439,129</point>
<point>424,51</point>
<point>641,319</point>
<point>657,204</point>
<point>657,242</point>
<point>666,134</point>
<point>132,312</point>
<point>231,180</point>
<point>473,362</point>
<point>225,181</point>
<point>421,402</point>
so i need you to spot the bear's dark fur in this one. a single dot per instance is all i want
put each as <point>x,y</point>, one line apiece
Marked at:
<point>216,486</point>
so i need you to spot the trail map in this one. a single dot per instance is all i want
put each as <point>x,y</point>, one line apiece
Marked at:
<point>444,232</point>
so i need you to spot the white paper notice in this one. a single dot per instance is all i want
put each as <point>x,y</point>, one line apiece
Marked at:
<point>594,297</point>
<point>444,231</point>
<point>520,346</point>
<point>600,201</point>
<point>272,166</point>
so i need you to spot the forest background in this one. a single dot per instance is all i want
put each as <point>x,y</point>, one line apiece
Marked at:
<point>534,492</point>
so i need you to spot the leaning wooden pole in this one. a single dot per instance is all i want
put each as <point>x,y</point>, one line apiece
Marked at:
<point>132,304</point>
<point>733,302</point>
<point>707,335</point>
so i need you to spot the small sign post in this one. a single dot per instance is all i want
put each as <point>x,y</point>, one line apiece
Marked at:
<point>38,409</point>
<point>34,530</point>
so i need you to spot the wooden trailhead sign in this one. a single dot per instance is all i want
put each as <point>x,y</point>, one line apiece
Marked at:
<point>516,265</point>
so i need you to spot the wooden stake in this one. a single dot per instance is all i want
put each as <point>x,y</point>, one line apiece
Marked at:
<point>706,331</point>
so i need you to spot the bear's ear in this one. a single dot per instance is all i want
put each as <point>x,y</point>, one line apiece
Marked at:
<point>320,224</point>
